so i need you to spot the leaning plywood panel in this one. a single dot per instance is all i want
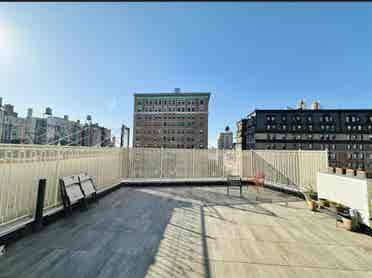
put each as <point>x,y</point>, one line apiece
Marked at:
<point>354,192</point>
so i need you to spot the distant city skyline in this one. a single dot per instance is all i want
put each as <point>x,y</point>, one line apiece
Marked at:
<point>90,58</point>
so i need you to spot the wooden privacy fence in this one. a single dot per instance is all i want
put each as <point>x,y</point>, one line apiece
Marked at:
<point>21,166</point>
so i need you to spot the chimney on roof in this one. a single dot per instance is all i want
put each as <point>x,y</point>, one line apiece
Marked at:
<point>315,105</point>
<point>301,104</point>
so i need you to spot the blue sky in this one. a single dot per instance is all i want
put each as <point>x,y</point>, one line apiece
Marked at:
<point>87,58</point>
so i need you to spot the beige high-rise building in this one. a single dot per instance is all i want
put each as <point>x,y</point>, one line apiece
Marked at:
<point>225,139</point>
<point>171,120</point>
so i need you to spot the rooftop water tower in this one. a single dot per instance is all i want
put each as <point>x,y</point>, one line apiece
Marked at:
<point>29,113</point>
<point>48,111</point>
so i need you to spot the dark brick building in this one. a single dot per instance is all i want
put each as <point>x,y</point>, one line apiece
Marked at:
<point>346,133</point>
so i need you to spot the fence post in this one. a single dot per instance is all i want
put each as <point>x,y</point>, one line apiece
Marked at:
<point>252,170</point>
<point>300,169</point>
<point>193,158</point>
<point>38,222</point>
<point>57,171</point>
<point>241,153</point>
<point>223,163</point>
<point>161,162</point>
<point>128,164</point>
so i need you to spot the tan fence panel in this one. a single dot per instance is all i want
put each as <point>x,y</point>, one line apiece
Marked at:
<point>21,167</point>
<point>294,169</point>
<point>311,162</point>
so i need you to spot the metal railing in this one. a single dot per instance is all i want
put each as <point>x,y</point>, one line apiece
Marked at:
<point>21,166</point>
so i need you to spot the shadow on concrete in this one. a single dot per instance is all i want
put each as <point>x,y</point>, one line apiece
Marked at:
<point>132,232</point>
<point>118,237</point>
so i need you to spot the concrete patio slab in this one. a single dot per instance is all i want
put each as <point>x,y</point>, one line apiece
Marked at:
<point>191,232</point>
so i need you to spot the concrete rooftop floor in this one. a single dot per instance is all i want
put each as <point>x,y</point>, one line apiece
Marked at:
<point>191,232</point>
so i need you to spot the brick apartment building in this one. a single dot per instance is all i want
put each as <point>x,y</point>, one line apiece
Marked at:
<point>346,133</point>
<point>171,120</point>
